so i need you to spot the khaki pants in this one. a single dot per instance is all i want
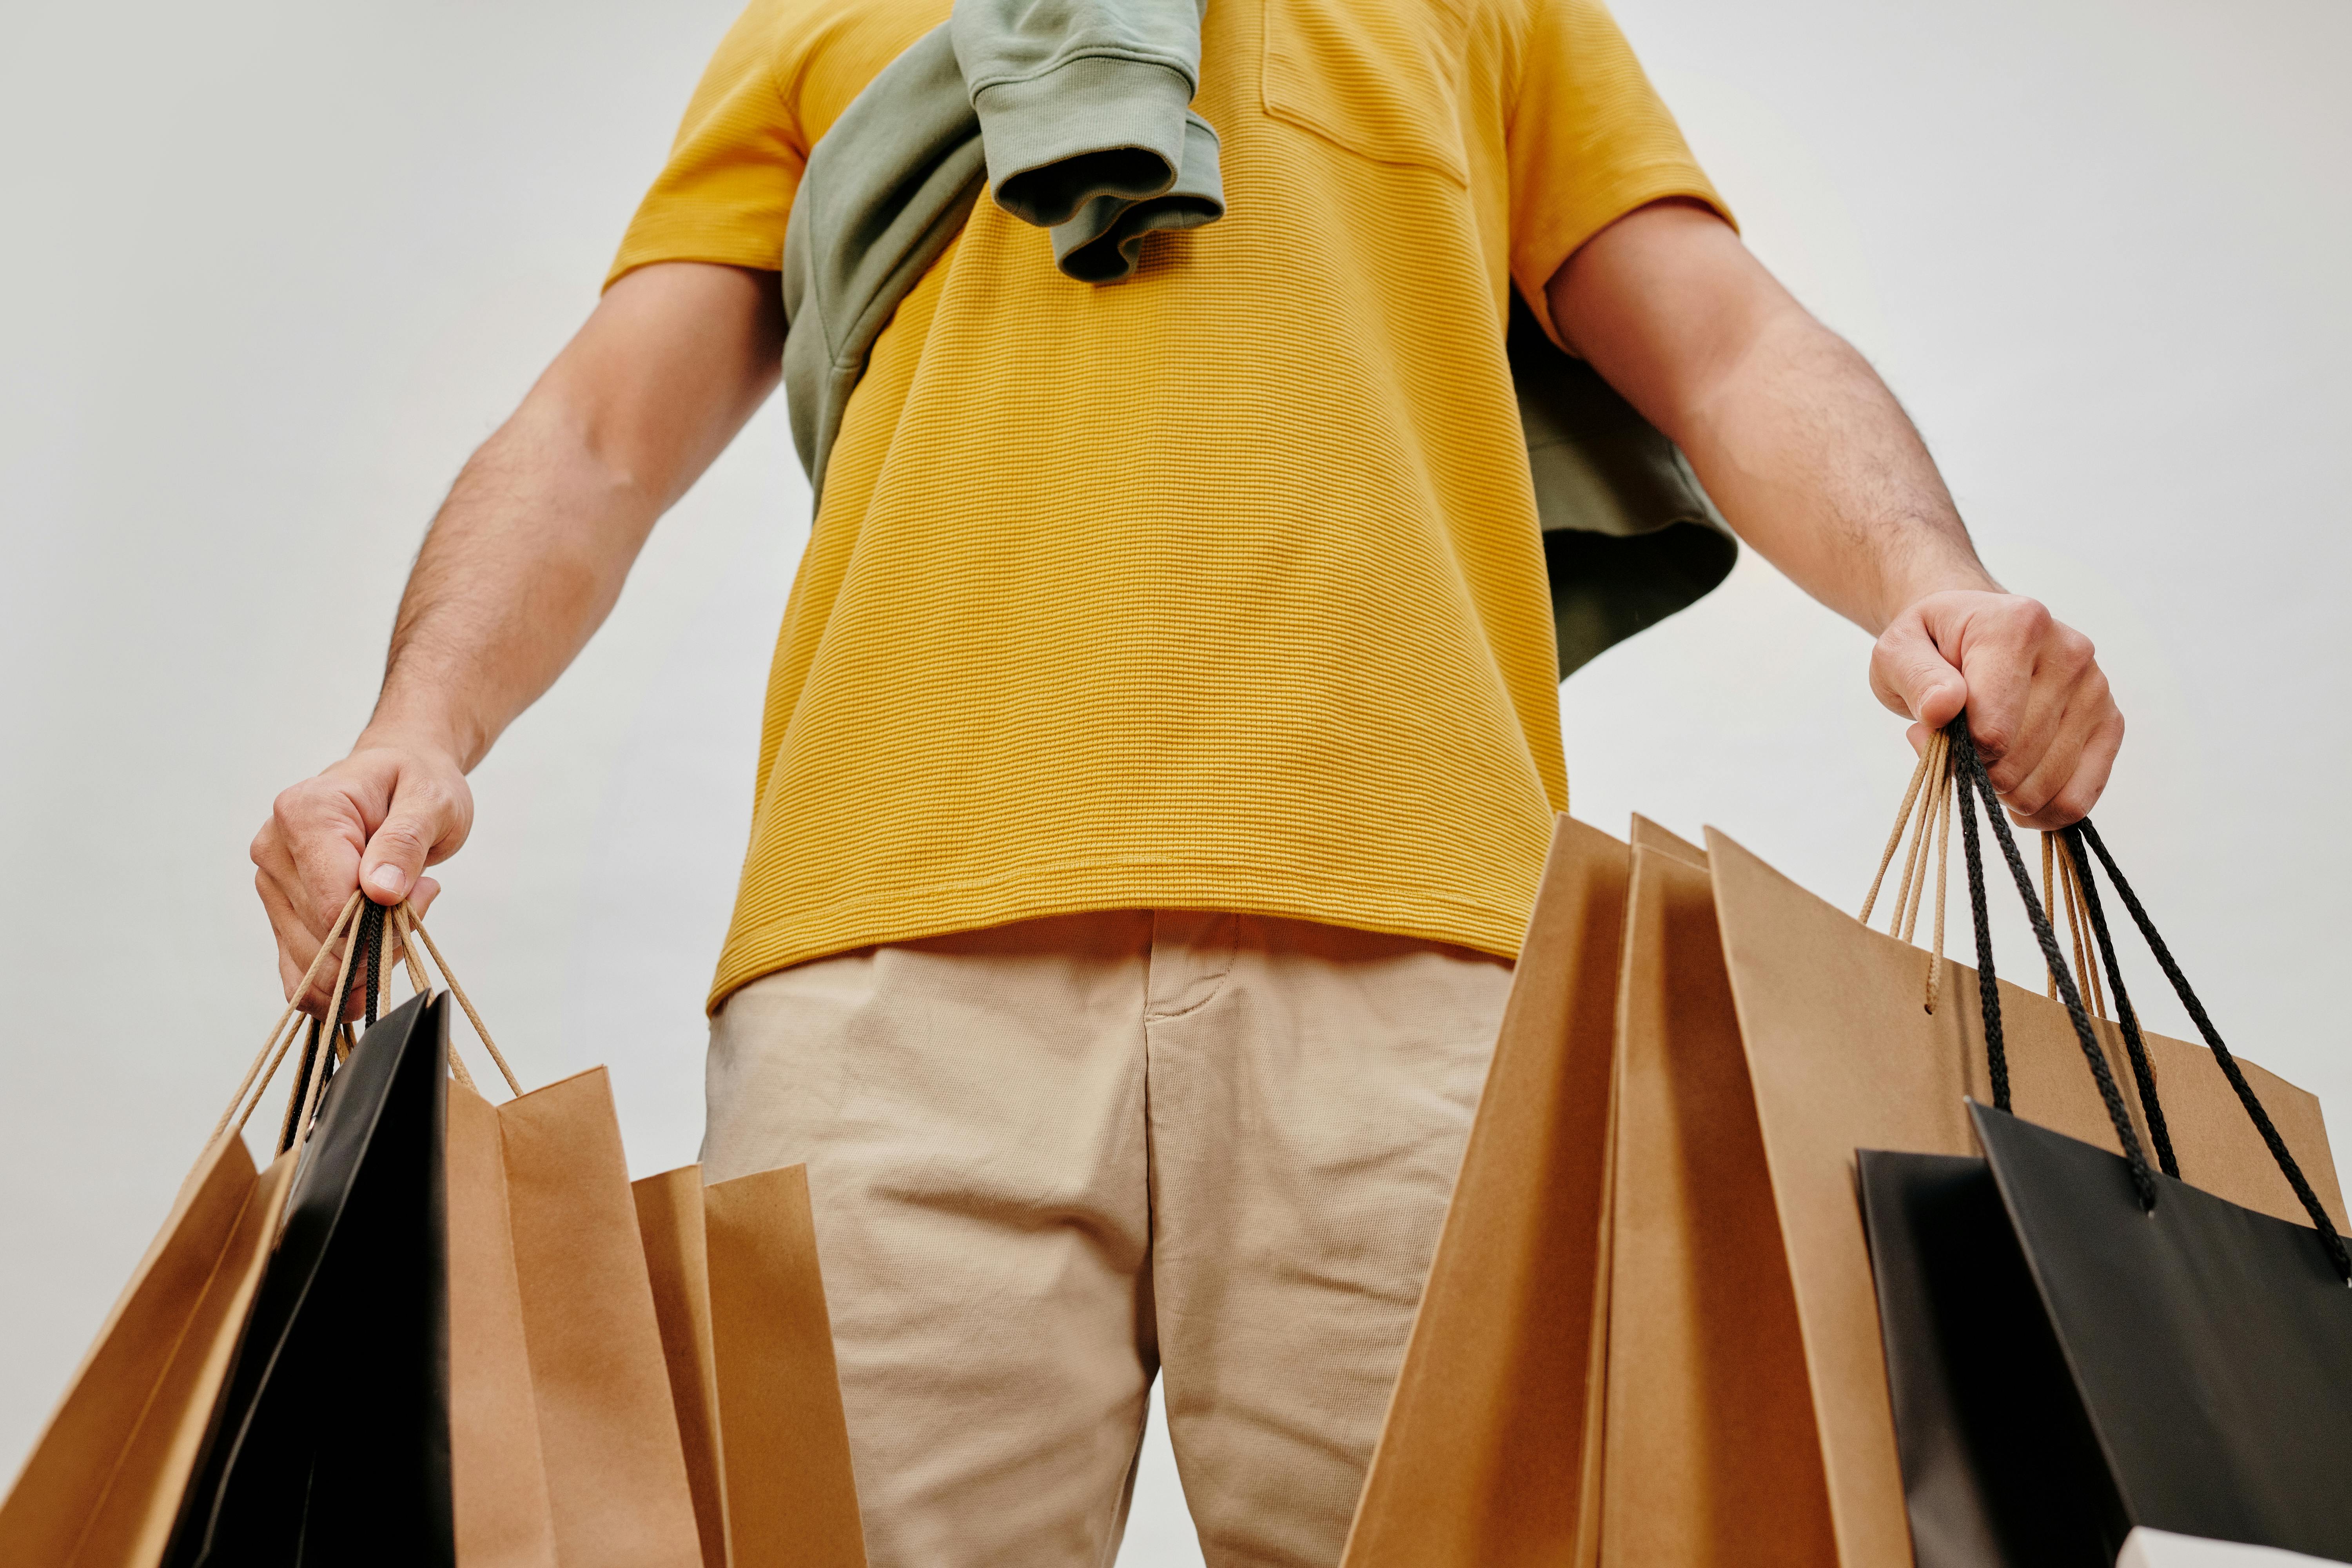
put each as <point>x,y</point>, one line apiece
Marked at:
<point>1052,1158</point>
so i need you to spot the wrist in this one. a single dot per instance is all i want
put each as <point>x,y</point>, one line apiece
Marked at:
<point>431,735</point>
<point>1955,578</point>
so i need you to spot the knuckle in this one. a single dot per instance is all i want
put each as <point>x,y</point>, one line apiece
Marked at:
<point>294,802</point>
<point>2029,619</point>
<point>433,801</point>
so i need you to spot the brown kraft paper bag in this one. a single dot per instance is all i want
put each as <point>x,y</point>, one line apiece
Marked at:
<point>1485,1458</point>
<point>750,1344</point>
<point>102,1486</point>
<point>1706,1434</point>
<point>1631,1349</point>
<point>1840,1053</point>
<point>565,1443</point>
<point>564,1447</point>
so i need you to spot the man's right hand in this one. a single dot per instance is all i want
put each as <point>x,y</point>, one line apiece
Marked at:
<point>373,821</point>
<point>526,558</point>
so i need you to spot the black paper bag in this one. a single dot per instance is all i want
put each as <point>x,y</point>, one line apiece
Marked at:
<point>2210,1345</point>
<point>330,1443</point>
<point>1999,1465</point>
<point>2065,1365</point>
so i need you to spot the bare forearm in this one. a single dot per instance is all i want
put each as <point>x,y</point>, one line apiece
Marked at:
<point>530,550</point>
<point>1816,465</point>
<point>525,560</point>
<point>1809,455</point>
<point>1806,450</point>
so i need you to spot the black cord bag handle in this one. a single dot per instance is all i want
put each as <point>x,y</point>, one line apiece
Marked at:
<point>1971,780</point>
<point>372,917</point>
<point>368,957</point>
<point>2143,1069</point>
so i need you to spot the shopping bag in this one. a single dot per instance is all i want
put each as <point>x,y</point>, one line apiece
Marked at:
<point>1483,1456</point>
<point>561,1350</point>
<point>1968,1347</point>
<point>1544,1413</point>
<point>1841,1054</point>
<point>330,1440</point>
<point>2079,1343</point>
<point>2210,1345</point>
<point>103,1484</point>
<point>562,1428</point>
<point>749,1345</point>
<point>1704,1430</point>
<point>559,1431</point>
<point>564,1441</point>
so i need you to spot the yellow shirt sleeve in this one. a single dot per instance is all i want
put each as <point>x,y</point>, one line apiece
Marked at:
<point>727,188</point>
<point>1588,141</point>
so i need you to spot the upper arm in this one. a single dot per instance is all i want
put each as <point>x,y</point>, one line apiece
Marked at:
<point>1663,302</point>
<point>672,361</point>
<point>687,338</point>
<point>1588,141</point>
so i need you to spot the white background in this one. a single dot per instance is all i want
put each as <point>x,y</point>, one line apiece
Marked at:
<point>268,272</point>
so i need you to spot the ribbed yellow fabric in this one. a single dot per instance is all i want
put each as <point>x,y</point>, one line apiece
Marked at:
<point>1220,588</point>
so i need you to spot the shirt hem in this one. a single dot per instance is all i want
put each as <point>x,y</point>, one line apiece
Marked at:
<point>754,951</point>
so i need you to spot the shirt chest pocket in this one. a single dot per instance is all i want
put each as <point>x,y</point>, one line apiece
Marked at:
<point>1378,76</point>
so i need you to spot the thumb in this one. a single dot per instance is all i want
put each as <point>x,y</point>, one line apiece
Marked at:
<point>428,821</point>
<point>1910,674</point>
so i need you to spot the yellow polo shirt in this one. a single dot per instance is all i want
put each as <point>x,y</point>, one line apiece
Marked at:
<point>1217,588</point>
